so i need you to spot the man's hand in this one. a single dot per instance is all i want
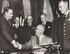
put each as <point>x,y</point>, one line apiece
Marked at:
<point>16,44</point>
<point>19,45</point>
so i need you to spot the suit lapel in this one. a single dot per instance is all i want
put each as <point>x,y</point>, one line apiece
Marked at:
<point>10,27</point>
<point>44,40</point>
<point>7,22</point>
<point>34,41</point>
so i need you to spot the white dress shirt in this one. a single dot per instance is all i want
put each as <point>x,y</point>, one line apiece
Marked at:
<point>40,38</point>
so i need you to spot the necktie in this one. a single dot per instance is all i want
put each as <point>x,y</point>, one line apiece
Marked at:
<point>9,22</point>
<point>38,40</point>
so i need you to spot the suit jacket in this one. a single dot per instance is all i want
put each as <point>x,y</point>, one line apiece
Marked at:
<point>64,32</point>
<point>33,42</point>
<point>44,41</point>
<point>6,35</point>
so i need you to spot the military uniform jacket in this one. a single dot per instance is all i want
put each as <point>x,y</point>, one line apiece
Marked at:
<point>64,32</point>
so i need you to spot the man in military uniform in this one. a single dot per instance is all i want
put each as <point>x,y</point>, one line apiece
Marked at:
<point>64,27</point>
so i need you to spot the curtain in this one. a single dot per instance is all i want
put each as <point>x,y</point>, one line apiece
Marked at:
<point>0,7</point>
<point>17,7</point>
<point>26,8</point>
<point>69,7</point>
<point>36,9</point>
<point>69,4</point>
<point>4,4</point>
<point>48,10</point>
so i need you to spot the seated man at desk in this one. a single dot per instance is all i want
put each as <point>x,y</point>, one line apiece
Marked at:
<point>39,40</point>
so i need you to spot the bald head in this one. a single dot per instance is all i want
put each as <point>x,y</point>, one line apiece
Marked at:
<point>39,30</point>
<point>29,17</point>
<point>17,18</point>
<point>63,6</point>
<point>40,27</point>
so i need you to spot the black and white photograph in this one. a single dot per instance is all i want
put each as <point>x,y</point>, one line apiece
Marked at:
<point>34,26</point>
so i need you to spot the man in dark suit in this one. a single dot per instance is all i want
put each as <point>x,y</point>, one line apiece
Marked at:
<point>29,28</point>
<point>46,23</point>
<point>7,41</point>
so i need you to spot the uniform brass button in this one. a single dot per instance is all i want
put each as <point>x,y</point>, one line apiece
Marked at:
<point>64,23</point>
<point>48,26</point>
<point>64,30</point>
<point>64,27</point>
<point>64,34</point>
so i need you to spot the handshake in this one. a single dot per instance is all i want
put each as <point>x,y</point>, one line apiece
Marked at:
<point>16,44</point>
